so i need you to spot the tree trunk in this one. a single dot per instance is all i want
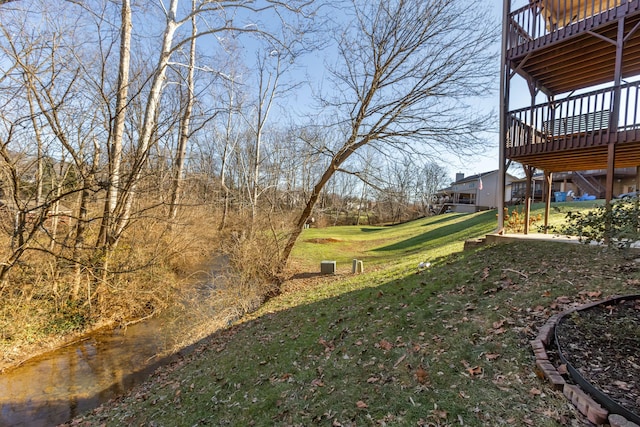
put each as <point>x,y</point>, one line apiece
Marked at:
<point>337,160</point>
<point>149,124</point>
<point>184,123</point>
<point>115,150</point>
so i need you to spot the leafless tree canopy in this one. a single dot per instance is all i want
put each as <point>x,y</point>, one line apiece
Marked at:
<point>405,73</point>
<point>122,124</point>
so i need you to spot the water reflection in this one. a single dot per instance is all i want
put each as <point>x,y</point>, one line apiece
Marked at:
<point>85,373</point>
<point>57,386</point>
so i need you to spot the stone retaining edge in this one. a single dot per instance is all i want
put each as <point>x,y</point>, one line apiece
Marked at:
<point>581,400</point>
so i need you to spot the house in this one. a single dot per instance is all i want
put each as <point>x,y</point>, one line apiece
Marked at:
<point>581,66</point>
<point>473,193</point>
<point>575,183</point>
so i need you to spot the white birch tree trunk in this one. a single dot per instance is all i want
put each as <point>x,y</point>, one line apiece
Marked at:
<point>115,149</point>
<point>149,122</point>
<point>186,118</point>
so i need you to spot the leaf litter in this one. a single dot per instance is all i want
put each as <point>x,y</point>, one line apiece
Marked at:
<point>461,358</point>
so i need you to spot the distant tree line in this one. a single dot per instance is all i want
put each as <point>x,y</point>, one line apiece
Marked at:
<point>125,126</point>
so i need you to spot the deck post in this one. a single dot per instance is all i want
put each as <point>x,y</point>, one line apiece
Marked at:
<point>528,170</point>
<point>548,182</point>
<point>504,109</point>
<point>615,113</point>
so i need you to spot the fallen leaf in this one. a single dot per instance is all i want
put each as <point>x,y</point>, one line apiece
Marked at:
<point>440,413</point>
<point>535,392</point>
<point>422,375</point>
<point>491,356</point>
<point>361,405</point>
<point>328,345</point>
<point>474,371</point>
<point>385,345</point>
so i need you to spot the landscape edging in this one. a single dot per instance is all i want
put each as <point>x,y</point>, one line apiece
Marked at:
<point>578,397</point>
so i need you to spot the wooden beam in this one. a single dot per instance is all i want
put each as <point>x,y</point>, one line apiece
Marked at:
<point>611,157</point>
<point>548,181</point>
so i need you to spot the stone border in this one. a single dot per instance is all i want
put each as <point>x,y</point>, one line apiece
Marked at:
<point>544,368</point>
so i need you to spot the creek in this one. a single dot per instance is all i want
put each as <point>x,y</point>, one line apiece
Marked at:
<point>55,387</point>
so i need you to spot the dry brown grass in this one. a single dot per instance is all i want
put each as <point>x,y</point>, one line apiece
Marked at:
<point>49,299</point>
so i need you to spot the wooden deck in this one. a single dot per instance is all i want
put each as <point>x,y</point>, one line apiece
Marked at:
<point>577,55</point>
<point>574,133</point>
<point>578,152</point>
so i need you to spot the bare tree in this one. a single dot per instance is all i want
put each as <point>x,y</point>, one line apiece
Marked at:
<point>431,178</point>
<point>268,89</point>
<point>227,132</point>
<point>407,68</point>
<point>50,81</point>
<point>185,120</point>
<point>117,131</point>
<point>221,17</point>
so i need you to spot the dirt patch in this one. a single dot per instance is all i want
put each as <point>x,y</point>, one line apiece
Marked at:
<point>323,240</point>
<point>602,343</point>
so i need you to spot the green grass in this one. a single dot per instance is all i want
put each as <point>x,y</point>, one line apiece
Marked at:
<point>394,346</point>
<point>382,245</point>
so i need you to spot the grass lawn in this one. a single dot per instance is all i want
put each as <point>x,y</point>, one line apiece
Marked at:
<point>395,346</point>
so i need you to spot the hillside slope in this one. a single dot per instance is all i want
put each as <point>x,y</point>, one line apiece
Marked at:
<point>448,345</point>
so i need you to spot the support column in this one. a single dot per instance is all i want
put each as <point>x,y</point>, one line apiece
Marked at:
<point>611,161</point>
<point>504,109</point>
<point>528,170</point>
<point>637,199</point>
<point>615,113</point>
<point>548,183</point>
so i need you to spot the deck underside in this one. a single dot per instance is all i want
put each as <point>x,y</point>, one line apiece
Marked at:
<point>579,152</point>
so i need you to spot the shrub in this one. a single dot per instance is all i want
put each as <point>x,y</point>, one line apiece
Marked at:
<point>617,225</point>
<point>514,221</point>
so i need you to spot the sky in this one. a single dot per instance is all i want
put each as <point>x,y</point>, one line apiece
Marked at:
<point>313,69</point>
<point>489,160</point>
<point>481,162</point>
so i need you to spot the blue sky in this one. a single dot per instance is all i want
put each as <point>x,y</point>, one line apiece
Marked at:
<point>313,71</point>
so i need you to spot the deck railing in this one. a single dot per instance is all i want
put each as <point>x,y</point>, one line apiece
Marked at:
<point>543,17</point>
<point>586,115</point>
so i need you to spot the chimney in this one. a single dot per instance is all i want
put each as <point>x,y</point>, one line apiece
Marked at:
<point>459,176</point>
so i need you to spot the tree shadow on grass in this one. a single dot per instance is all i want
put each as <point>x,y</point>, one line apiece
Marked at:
<point>472,226</point>
<point>448,218</point>
<point>370,230</point>
<point>307,275</point>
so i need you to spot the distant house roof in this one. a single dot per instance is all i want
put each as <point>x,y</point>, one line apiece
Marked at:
<point>475,177</point>
<point>472,178</point>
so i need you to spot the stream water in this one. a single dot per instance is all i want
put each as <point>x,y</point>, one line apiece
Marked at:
<point>55,387</point>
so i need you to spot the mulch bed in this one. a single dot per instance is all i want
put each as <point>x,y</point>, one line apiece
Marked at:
<point>603,343</point>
